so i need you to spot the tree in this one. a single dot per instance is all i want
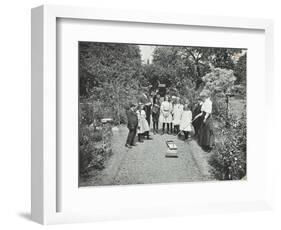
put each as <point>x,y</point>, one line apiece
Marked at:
<point>174,65</point>
<point>219,81</point>
<point>109,73</point>
<point>196,61</point>
<point>224,58</point>
<point>240,70</point>
<point>166,65</point>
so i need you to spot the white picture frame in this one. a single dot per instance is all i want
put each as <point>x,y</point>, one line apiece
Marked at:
<point>44,111</point>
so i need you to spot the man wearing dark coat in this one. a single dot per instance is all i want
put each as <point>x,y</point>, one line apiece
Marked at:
<point>132,125</point>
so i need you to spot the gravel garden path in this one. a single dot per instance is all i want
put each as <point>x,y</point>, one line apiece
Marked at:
<point>146,163</point>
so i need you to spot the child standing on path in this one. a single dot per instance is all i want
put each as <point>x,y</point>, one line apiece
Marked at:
<point>166,114</point>
<point>156,112</point>
<point>185,122</point>
<point>177,112</point>
<point>143,126</point>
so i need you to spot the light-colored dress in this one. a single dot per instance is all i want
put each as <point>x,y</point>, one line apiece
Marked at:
<point>185,122</point>
<point>142,122</point>
<point>177,112</point>
<point>207,106</point>
<point>166,112</point>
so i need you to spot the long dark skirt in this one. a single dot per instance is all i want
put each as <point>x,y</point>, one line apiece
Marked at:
<point>206,133</point>
<point>197,124</point>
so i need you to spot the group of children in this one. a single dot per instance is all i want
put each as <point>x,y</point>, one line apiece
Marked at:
<point>175,116</point>
<point>173,113</point>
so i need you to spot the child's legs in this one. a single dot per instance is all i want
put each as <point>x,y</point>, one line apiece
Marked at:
<point>146,134</point>
<point>186,134</point>
<point>177,127</point>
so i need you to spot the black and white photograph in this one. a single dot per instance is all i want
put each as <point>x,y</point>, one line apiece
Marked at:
<point>161,114</point>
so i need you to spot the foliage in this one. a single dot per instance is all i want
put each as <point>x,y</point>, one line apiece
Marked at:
<point>88,135</point>
<point>91,158</point>
<point>229,157</point>
<point>90,113</point>
<point>181,63</point>
<point>92,153</point>
<point>166,67</point>
<point>224,58</point>
<point>178,63</point>
<point>109,73</point>
<point>187,89</point>
<point>103,62</point>
<point>240,72</point>
<point>219,109</point>
<point>219,81</point>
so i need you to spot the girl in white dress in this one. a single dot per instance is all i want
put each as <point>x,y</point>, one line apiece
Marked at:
<point>185,122</point>
<point>143,127</point>
<point>177,112</point>
<point>165,114</point>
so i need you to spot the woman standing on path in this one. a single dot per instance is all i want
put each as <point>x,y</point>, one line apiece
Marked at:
<point>165,114</point>
<point>185,122</point>
<point>177,113</point>
<point>143,127</point>
<point>206,133</point>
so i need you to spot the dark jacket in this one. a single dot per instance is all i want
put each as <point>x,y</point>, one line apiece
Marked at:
<point>132,119</point>
<point>196,111</point>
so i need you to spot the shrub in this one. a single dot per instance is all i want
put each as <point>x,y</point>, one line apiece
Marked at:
<point>91,158</point>
<point>186,89</point>
<point>94,149</point>
<point>219,81</point>
<point>89,134</point>
<point>219,109</point>
<point>229,157</point>
<point>86,114</point>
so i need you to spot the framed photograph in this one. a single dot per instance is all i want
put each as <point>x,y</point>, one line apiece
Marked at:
<point>143,114</point>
